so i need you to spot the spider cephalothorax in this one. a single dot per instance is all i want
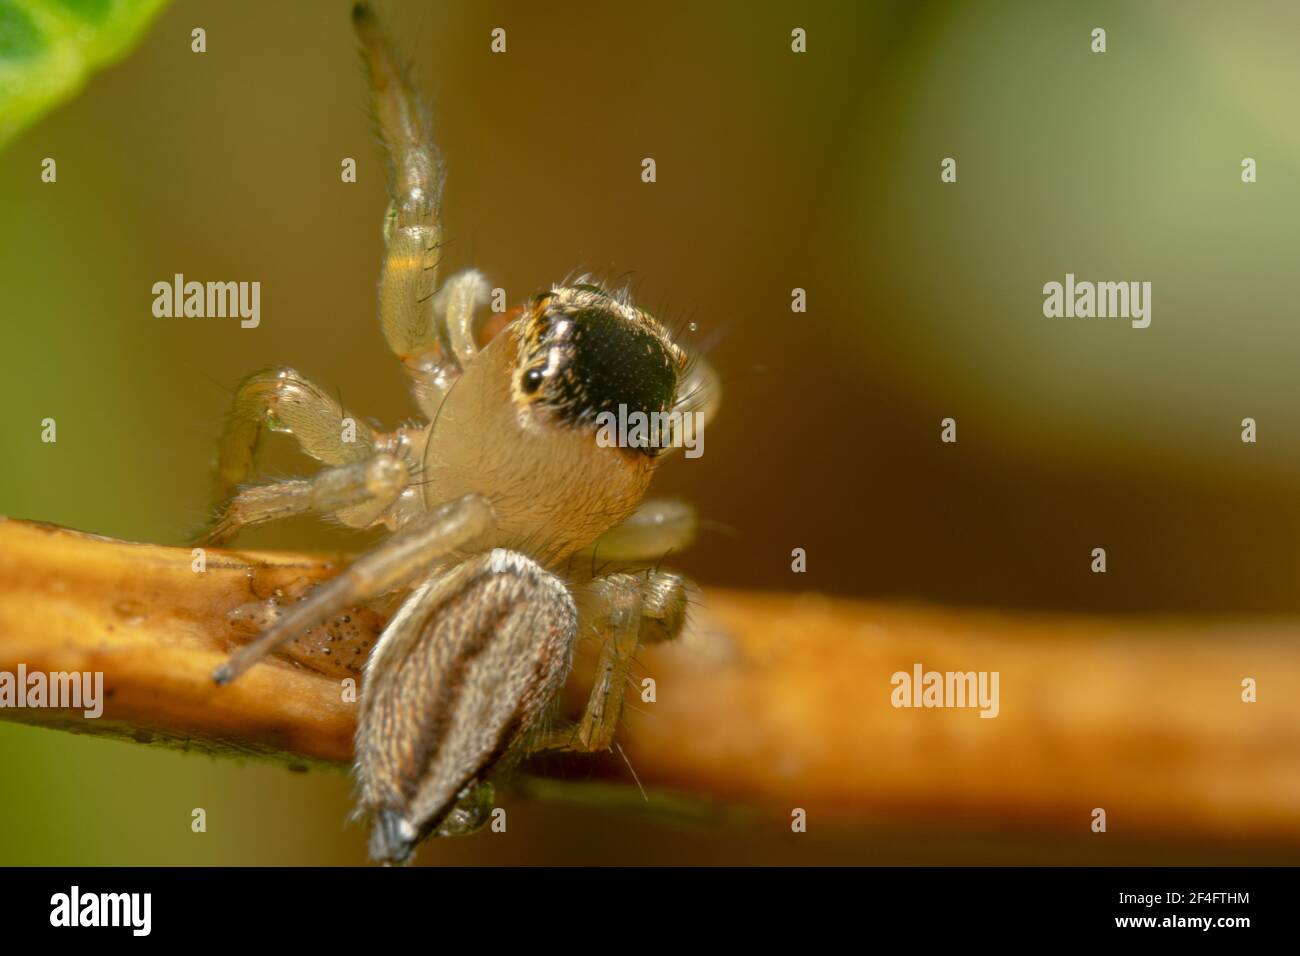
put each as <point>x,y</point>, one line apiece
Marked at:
<point>488,501</point>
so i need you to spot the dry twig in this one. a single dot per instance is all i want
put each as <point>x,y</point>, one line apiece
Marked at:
<point>776,701</point>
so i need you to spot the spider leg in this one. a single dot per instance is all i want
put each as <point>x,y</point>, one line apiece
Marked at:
<point>413,320</point>
<point>457,301</point>
<point>698,394</point>
<point>463,671</point>
<point>658,527</point>
<point>471,813</point>
<point>392,564</point>
<point>359,491</point>
<point>701,389</point>
<point>663,607</point>
<point>626,610</point>
<point>279,399</point>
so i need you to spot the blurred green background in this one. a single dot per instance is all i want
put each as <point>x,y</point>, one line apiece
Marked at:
<point>775,171</point>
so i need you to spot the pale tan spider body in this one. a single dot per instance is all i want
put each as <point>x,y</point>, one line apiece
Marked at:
<point>485,427</point>
<point>489,503</point>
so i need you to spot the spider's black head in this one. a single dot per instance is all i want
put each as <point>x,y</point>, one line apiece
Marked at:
<point>585,352</point>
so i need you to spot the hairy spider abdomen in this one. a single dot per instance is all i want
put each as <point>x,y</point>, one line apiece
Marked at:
<point>488,649</point>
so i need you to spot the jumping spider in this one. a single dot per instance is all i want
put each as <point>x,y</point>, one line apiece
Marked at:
<point>504,490</point>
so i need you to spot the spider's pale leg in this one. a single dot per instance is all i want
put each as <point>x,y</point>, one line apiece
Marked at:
<point>701,389</point>
<point>620,598</point>
<point>658,527</point>
<point>392,564</point>
<point>663,607</point>
<point>471,813</point>
<point>367,486</point>
<point>281,400</point>
<point>698,393</point>
<point>412,227</point>
<point>463,295</point>
<point>628,610</point>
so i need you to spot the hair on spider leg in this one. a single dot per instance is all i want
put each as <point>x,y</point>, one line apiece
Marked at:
<point>438,246</point>
<point>633,681</point>
<point>639,711</point>
<point>632,770</point>
<point>416,475</point>
<point>230,392</point>
<point>658,564</point>
<point>196,528</point>
<point>216,420</point>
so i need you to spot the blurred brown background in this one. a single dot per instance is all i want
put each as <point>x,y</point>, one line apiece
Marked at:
<point>775,170</point>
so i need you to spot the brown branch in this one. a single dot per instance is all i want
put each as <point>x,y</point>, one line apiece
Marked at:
<point>771,701</point>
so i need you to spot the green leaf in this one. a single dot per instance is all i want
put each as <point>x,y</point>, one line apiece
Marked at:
<point>48,48</point>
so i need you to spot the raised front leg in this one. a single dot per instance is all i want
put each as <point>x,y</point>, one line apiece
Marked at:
<point>416,330</point>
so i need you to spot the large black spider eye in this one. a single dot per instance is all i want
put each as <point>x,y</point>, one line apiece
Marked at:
<point>532,380</point>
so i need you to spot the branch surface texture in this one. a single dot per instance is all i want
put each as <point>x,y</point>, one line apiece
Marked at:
<point>775,702</point>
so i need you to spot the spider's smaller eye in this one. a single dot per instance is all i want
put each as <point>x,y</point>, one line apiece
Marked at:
<point>532,380</point>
